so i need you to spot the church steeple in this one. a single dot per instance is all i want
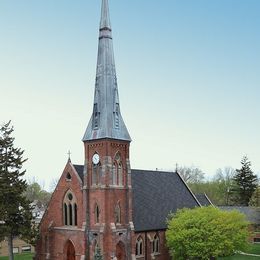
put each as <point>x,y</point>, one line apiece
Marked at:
<point>106,120</point>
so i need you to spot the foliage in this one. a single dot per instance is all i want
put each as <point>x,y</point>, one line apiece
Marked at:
<point>202,233</point>
<point>191,174</point>
<point>255,199</point>
<point>15,209</point>
<point>245,183</point>
<point>35,193</point>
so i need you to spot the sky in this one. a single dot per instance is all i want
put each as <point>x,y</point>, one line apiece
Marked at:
<point>188,77</point>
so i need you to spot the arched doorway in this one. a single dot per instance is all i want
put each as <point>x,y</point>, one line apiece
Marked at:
<point>120,251</point>
<point>70,251</point>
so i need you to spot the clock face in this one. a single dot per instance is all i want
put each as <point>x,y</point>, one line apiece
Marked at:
<point>95,158</point>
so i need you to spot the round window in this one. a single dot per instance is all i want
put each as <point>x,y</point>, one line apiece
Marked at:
<point>70,196</point>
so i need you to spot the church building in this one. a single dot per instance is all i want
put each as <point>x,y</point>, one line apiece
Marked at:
<point>103,209</point>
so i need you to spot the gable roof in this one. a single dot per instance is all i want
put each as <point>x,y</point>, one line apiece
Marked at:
<point>80,170</point>
<point>155,195</point>
<point>203,199</point>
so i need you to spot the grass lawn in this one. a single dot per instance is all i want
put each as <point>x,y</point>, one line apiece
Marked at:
<point>252,249</point>
<point>239,257</point>
<point>28,256</point>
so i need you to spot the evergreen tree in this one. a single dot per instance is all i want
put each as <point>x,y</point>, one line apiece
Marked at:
<point>245,183</point>
<point>15,209</point>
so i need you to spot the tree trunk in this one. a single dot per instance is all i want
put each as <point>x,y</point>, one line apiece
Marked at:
<point>10,247</point>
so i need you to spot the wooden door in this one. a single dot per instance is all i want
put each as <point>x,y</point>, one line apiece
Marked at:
<point>120,251</point>
<point>70,251</point>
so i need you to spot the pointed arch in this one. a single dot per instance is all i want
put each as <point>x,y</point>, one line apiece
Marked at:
<point>97,214</point>
<point>69,250</point>
<point>120,174</point>
<point>120,251</point>
<point>117,213</point>
<point>70,213</point>
<point>139,246</point>
<point>156,244</point>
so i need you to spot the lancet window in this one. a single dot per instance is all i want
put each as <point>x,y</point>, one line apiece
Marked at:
<point>97,213</point>
<point>117,171</point>
<point>70,209</point>
<point>117,214</point>
<point>96,173</point>
<point>156,243</point>
<point>95,116</point>
<point>139,246</point>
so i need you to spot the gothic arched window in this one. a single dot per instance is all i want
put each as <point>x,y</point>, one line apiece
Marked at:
<point>156,243</point>
<point>139,250</point>
<point>97,213</point>
<point>114,174</point>
<point>95,117</point>
<point>70,214</point>
<point>117,171</point>
<point>96,174</point>
<point>120,174</point>
<point>117,213</point>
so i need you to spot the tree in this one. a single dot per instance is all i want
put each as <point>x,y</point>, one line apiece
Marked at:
<point>191,174</point>
<point>245,183</point>
<point>35,193</point>
<point>206,233</point>
<point>255,199</point>
<point>15,209</point>
<point>224,179</point>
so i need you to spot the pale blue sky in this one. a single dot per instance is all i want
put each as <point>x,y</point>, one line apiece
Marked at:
<point>188,74</point>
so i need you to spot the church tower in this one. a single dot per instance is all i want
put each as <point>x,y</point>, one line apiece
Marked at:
<point>107,180</point>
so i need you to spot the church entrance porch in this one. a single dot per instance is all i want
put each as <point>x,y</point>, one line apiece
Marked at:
<point>70,251</point>
<point>120,251</point>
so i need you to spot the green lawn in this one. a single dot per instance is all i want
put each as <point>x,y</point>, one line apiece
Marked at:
<point>252,249</point>
<point>28,256</point>
<point>239,257</point>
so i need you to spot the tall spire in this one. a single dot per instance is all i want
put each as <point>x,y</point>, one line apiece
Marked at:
<point>106,120</point>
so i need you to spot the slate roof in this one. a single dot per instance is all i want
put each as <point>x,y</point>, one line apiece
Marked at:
<point>155,195</point>
<point>204,200</point>
<point>252,214</point>
<point>80,170</point>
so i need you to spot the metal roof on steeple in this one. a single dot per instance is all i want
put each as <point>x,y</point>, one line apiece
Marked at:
<point>106,120</point>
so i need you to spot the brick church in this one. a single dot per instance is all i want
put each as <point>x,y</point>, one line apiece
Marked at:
<point>103,209</point>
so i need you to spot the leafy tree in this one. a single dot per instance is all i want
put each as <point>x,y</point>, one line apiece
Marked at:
<point>245,183</point>
<point>35,193</point>
<point>255,199</point>
<point>15,209</point>
<point>206,233</point>
<point>191,174</point>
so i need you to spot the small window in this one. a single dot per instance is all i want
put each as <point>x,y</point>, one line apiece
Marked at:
<point>118,214</point>
<point>68,176</point>
<point>156,242</point>
<point>97,214</point>
<point>139,246</point>
<point>15,250</point>
<point>96,117</point>
<point>26,249</point>
<point>70,196</point>
<point>120,174</point>
<point>257,239</point>
<point>116,116</point>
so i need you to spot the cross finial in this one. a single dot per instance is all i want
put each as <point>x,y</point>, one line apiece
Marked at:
<point>69,153</point>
